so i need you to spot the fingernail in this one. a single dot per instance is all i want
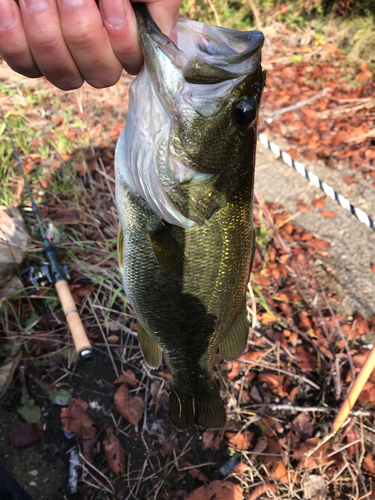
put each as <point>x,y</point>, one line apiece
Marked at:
<point>113,12</point>
<point>7,14</point>
<point>36,6</point>
<point>73,3</point>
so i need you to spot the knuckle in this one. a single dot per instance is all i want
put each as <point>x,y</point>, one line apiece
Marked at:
<point>45,43</point>
<point>82,37</point>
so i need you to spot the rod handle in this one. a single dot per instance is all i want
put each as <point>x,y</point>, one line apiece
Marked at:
<point>81,342</point>
<point>355,391</point>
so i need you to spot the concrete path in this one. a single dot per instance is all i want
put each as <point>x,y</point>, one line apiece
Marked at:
<point>353,244</point>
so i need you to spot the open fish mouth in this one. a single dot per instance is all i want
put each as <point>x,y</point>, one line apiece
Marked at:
<point>178,83</point>
<point>205,53</point>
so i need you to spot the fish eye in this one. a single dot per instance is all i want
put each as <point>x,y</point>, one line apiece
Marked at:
<point>245,112</point>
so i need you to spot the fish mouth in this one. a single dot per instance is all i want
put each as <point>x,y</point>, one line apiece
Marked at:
<point>205,54</point>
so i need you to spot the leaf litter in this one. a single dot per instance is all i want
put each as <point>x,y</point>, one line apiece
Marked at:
<point>281,395</point>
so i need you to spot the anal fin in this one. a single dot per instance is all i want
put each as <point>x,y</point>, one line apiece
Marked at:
<point>235,342</point>
<point>150,348</point>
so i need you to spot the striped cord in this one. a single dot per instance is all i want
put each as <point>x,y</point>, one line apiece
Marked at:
<point>314,179</point>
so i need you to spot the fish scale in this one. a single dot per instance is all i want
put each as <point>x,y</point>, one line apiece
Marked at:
<point>185,199</point>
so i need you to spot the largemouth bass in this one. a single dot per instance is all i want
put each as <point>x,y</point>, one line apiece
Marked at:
<point>184,188</point>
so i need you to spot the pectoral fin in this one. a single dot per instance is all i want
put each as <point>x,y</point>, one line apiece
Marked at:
<point>199,200</point>
<point>235,342</point>
<point>168,252</point>
<point>150,348</point>
<point>120,248</point>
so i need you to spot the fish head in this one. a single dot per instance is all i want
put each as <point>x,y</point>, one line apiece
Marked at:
<point>193,109</point>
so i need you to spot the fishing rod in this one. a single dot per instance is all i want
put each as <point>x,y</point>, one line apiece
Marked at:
<point>53,274</point>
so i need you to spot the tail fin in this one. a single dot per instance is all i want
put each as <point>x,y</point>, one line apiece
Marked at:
<point>205,408</point>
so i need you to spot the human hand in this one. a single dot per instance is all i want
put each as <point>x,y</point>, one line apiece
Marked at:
<point>70,41</point>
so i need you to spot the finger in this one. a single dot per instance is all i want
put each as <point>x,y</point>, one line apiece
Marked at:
<point>88,42</point>
<point>164,13</point>
<point>121,25</point>
<point>51,54</point>
<point>14,47</point>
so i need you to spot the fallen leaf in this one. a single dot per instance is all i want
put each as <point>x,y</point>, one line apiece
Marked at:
<point>318,244</point>
<point>268,317</point>
<point>130,407</point>
<point>262,488</point>
<point>127,377</point>
<point>303,426</point>
<point>89,449</point>
<point>254,393</point>
<point>274,382</point>
<point>302,207</point>
<point>114,452</point>
<point>369,464</point>
<point>217,491</point>
<point>241,441</point>
<point>260,446</point>
<point>207,439</point>
<point>278,472</point>
<point>112,339</point>
<point>327,213</point>
<point>309,113</point>
<point>168,447</point>
<point>293,154</point>
<point>318,458</point>
<point>75,420</point>
<point>314,487</point>
<point>319,202</point>
<point>197,473</point>
<point>240,469</point>
<point>350,180</point>
<point>24,434</point>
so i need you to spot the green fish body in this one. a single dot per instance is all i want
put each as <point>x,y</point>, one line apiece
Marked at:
<point>184,189</point>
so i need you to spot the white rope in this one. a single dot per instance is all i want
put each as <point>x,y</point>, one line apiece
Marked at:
<point>314,179</point>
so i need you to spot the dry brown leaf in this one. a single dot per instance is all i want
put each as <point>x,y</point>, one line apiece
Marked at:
<point>112,339</point>
<point>319,456</point>
<point>350,180</point>
<point>75,420</point>
<point>262,488</point>
<point>207,439</point>
<point>274,382</point>
<point>240,469</point>
<point>217,491</point>
<point>197,473</point>
<point>114,452</point>
<point>318,244</point>
<point>369,463</point>
<point>293,154</point>
<point>24,434</point>
<point>130,407</point>
<point>314,487</point>
<point>302,207</point>
<point>241,441</point>
<point>303,426</point>
<point>319,202</point>
<point>328,214</point>
<point>268,317</point>
<point>278,472</point>
<point>127,377</point>
<point>89,449</point>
